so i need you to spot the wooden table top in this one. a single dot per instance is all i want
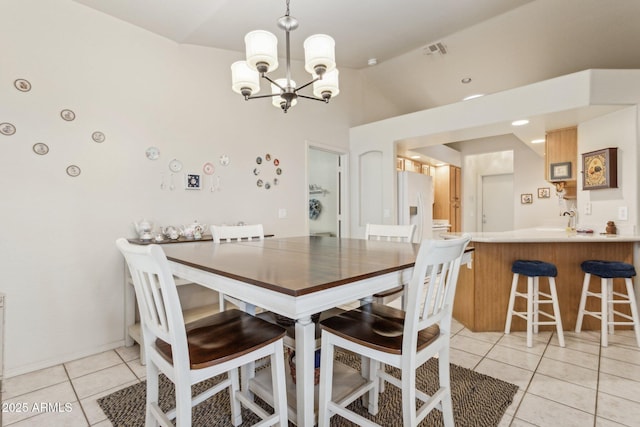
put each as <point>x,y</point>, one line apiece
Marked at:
<point>297,265</point>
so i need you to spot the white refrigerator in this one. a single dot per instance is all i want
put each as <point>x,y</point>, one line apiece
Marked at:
<point>415,203</point>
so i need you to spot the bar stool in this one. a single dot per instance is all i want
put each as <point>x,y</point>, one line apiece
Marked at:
<point>534,270</point>
<point>607,271</point>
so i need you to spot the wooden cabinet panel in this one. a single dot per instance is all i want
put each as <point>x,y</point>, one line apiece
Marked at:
<point>562,146</point>
<point>447,200</point>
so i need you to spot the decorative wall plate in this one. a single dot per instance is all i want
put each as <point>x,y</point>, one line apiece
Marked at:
<point>40,148</point>
<point>259,183</point>
<point>256,171</point>
<point>279,171</point>
<point>73,170</point>
<point>208,168</point>
<point>175,165</point>
<point>267,185</point>
<point>67,115</point>
<point>22,85</point>
<point>276,162</point>
<point>267,157</point>
<point>152,153</point>
<point>7,129</point>
<point>98,136</point>
<point>224,160</point>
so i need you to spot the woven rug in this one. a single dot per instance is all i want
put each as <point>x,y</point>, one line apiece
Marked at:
<point>478,400</point>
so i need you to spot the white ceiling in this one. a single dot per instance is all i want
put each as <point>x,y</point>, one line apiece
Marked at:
<point>362,29</point>
<point>499,44</point>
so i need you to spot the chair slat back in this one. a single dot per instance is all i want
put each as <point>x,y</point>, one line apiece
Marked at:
<point>157,296</point>
<point>230,233</point>
<point>436,268</point>
<point>390,233</point>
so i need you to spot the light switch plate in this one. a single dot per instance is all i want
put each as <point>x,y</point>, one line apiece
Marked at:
<point>622,213</point>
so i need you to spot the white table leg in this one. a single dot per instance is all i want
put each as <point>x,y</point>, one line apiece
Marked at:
<point>305,349</point>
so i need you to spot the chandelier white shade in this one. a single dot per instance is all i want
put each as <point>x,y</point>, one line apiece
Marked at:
<point>328,84</point>
<point>319,51</point>
<point>243,77</point>
<point>262,58</point>
<point>262,47</point>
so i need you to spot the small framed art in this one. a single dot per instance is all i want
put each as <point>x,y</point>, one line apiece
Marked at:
<point>600,169</point>
<point>559,171</point>
<point>544,193</point>
<point>192,181</point>
<point>526,199</point>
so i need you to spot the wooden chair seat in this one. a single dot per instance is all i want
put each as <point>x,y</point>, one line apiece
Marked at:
<point>376,326</point>
<point>224,336</point>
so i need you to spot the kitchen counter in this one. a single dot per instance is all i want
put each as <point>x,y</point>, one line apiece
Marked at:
<point>482,294</point>
<point>544,235</point>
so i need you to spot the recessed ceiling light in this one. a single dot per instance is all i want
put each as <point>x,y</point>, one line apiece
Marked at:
<point>537,141</point>
<point>520,122</point>
<point>477,95</point>
<point>466,80</point>
<point>372,61</point>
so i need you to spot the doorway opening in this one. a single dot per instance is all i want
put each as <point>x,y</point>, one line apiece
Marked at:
<point>326,180</point>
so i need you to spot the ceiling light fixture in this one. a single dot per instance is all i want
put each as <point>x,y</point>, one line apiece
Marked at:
<point>520,122</point>
<point>262,57</point>
<point>537,141</point>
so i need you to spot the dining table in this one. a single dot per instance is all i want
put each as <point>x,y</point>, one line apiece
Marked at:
<point>296,277</point>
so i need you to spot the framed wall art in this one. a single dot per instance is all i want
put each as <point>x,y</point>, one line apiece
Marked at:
<point>544,193</point>
<point>526,199</point>
<point>600,169</point>
<point>560,171</point>
<point>192,181</point>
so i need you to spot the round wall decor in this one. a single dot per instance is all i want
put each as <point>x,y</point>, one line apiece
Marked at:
<point>7,129</point>
<point>67,115</point>
<point>22,85</point>
<point>73,170</point>
<point>40,148</point>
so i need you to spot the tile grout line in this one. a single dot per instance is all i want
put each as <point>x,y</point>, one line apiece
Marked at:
<point>76,394</point>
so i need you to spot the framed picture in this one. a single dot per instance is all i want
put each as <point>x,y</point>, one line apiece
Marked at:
<point>600,169</point>
<point>559,171</point>
<point>526,199</point>
<point>544,193</point>
<point>193,181</point>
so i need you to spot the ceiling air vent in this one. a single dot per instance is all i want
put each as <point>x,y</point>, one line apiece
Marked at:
<point>437,47</point>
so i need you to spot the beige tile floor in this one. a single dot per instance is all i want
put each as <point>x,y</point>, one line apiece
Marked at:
<point>582,384</point>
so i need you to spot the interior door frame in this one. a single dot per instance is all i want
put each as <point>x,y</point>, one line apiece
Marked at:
<point>343,185</point>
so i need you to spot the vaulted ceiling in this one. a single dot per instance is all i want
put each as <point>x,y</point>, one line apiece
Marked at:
<point>496,44</point>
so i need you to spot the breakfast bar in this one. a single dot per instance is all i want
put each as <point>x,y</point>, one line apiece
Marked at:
<point>482,295</point>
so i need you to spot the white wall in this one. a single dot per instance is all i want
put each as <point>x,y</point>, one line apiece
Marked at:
<point>618,129</point>
<point>61,272</point>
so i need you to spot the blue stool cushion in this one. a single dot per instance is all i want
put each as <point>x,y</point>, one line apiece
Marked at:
<point>534,268</point>
<point>608,269</point>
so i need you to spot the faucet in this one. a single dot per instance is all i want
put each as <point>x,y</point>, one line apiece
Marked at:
<point>571,213</point>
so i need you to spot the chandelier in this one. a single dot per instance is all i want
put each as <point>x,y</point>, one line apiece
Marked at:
<point>262,57</point>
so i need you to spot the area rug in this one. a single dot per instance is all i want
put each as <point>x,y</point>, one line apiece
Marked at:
<point>478,400</point>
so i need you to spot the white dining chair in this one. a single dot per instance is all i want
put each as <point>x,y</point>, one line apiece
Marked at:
<point>405,340</point>
<point>187,355</point>
<point>390,233</point>
<point>235,233</point>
